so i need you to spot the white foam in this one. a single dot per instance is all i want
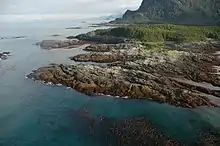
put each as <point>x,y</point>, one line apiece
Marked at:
<point>101,94</point>
<point>49,83</point>
<point>126,97</point>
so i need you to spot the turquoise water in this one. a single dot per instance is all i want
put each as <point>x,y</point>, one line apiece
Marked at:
<point>33,114</point>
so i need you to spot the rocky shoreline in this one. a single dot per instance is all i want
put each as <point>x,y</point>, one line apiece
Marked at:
<point>171,74</point>
<point>4,55</point>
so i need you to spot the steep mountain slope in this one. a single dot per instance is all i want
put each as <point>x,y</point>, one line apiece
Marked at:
<point>196,12</point>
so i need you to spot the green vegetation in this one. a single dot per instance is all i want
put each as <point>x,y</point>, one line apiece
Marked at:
<point>163,32</point>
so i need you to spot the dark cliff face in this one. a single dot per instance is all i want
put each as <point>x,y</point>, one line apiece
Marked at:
<point>197,12</point>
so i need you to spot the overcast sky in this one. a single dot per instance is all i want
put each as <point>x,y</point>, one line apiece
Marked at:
<point>65,7</point>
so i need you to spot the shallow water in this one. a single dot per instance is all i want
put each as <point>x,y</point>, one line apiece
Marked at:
<point>33,114</point>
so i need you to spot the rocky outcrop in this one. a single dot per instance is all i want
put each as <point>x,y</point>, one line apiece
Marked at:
<point>56,44</point>
<point>117,81</point>
<point>106,57</point>
<point>4,55</point>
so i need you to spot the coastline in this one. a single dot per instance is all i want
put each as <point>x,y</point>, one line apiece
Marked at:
<point>149,77</point>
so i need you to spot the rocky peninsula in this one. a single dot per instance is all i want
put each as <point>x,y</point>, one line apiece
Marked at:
<point>180,74</point>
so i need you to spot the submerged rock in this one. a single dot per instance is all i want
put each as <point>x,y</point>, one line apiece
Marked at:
<point>209,139</point>
<point>124,131</point>
<point>137,131</point>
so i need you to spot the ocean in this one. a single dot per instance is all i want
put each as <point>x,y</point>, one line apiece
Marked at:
<point>33,113</point>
